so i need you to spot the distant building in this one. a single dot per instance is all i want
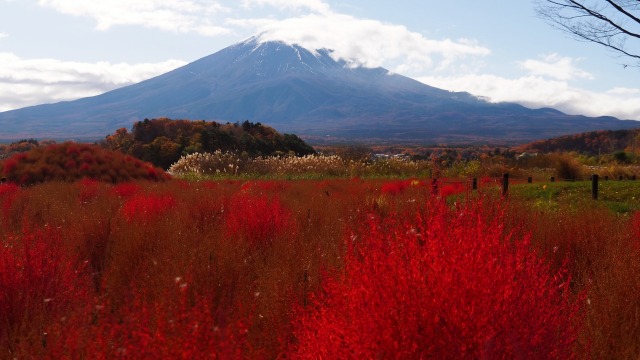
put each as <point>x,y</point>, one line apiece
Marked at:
<point>526,155</point>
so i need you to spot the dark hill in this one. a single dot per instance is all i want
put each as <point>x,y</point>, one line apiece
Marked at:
<point>300,91</point>
<point>163,141</point>
<point>590,143</point>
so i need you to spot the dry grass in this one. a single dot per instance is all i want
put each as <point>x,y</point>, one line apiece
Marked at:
<point>310,166</point>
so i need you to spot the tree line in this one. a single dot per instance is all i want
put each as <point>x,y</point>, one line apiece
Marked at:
<point>163,141</point>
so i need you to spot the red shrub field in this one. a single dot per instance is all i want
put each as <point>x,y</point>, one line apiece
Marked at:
<point>310,269</point>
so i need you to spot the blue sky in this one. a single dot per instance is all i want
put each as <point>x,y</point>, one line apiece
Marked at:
<point>54,50</point>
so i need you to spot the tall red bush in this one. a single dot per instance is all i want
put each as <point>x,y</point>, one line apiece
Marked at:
<point>146,208</point>
<point>39,282</point>
<point>181,326</point>
<point>257,219</point>
<point>395,187</point>
<point>453,189</point>
<point>88,190</point>
<point>450,285</point>
<point>126,190</point>
<point>71,161</point>
<point>8,194</point>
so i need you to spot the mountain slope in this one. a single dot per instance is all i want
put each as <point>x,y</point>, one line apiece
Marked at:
<point>308,93</point>
<point>590,143</point>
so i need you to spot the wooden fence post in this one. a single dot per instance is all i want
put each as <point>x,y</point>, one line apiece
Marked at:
<point>529,179</point>
<point>553,179</point>
<point>505,184</point>
<point>474,184</point>
<point>594,186</point>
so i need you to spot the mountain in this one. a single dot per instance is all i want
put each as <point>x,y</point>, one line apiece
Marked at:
<point>305,92</point>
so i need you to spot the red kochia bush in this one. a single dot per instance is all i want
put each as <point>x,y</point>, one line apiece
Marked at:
<point>451,285</point>
<point>635,224</point>
<point>452,189</point>
<point>146,208</point>
<point>126,190</point>
<point>181,328</point>
<point>395,187</point>
<point>8,194</point>
<point>258,219</point>
<point>38,282</point>
<point>70,161</point>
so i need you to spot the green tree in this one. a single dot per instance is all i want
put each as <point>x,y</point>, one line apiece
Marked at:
<point>621,157</point>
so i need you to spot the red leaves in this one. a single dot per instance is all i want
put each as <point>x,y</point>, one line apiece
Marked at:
<point>448,285</point>
<point>126,190</point>
<point>258,219</point>
<point>453,189</point>
<point>8,194</point>
<point>146,208</point>
<point>70,161</point>
<point>414,279</point>
<point>395,187</point>
<point>176,328</point>
<point>636,224</point>
<point>88,190</point>
<point>38,282</point>
<point>10,165</point>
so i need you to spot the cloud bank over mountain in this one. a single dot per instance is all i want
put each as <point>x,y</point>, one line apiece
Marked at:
<point>303,91</point>
<point>459,64</point>
<point>26,82</point>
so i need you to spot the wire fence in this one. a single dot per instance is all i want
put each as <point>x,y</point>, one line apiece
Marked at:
<point>449,186</point>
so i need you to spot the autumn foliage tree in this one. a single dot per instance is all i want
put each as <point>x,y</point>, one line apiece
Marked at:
<point>590,143</point>
<point>24,145</point>
<point>163,141</point>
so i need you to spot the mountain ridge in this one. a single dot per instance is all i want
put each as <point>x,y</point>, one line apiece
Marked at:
<point>300,91</point>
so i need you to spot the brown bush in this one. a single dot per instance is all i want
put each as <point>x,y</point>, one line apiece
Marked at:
<point>567,167</point>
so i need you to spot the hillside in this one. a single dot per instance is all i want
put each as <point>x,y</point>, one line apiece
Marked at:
<point>590,143</point>
<point>163,141</point>
<point>306,92</point>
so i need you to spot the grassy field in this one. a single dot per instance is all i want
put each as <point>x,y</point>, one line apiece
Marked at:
<point>618,196</point>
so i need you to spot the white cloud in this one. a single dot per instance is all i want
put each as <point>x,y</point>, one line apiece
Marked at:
<point>545,81</point>
<point>373,43</point>
<point>537,92</point>
<point>624,92</point>
<point>556,67</point>
<point>318,6</point>
<point>370,43</point>
<point>169,15</point>
<point>3,35</point>
<point>251,24</point>
<point>25,82</point>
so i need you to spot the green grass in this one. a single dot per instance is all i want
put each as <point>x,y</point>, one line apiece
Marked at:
<point>618,196</point>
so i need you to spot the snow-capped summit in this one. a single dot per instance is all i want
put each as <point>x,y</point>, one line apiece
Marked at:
<point>299,90</point>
